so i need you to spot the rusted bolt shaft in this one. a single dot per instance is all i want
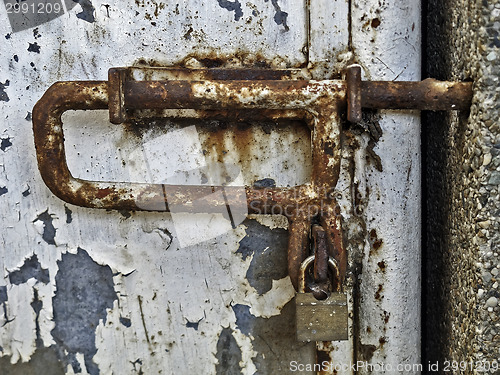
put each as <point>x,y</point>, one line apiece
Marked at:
<point>429,94</point>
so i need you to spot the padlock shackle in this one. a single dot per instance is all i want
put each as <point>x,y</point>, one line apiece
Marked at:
<point>332,263</point>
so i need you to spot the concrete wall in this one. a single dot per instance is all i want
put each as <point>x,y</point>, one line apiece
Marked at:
<point>462,167</point>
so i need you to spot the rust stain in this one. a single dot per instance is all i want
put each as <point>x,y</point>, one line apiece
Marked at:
<point>382,341</point>
<point>323,360</point>
<point>375,23</point>
<point>378,293</point>
<point>382,265</point>
<point>375,242</point>
<point>214,145</point>
<point>102,193</point>
<point>367,351</point>
<point>325,348</point>
<point>328,148</point>
<point>386,317</point>
<point>243,137</point>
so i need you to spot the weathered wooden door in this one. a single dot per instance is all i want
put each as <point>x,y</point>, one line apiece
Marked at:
<point>93,291</point>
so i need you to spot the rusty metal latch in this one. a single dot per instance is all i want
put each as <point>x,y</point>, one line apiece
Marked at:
<point>428,94</point>
<point>214,93</point>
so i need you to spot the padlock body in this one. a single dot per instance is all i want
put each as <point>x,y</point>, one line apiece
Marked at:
<point>321,320</point>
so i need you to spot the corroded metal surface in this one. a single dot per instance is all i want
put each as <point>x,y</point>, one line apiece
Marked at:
<point>117,77</point>
<point>311,95</point>
<point>429,94</point>
<point>353,79</point>
<point>152,197</point>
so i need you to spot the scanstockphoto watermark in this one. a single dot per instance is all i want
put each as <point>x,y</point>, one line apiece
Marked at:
<point>26,14</point>
<point>330,367</point>
<point>443,366</point>
<point>322,201</point>
<point>218,202</point>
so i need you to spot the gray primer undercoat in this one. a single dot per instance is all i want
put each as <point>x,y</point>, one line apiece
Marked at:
<point>84,291</point>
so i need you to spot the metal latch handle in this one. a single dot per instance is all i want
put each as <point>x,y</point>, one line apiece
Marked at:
<point>318,103</point>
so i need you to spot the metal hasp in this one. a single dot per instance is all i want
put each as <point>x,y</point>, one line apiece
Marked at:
<point>238,94</point>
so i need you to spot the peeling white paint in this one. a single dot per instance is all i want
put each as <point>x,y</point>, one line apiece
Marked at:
<point>270,303</point>
<point>19,338</point>
<point>46,322</point>
<point>182,288</point>
<point>271,221</point>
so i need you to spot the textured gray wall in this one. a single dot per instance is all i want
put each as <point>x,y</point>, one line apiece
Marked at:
<point>462,159</point>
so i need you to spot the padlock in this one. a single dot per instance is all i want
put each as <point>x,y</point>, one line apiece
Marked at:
<point>320,320</point>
